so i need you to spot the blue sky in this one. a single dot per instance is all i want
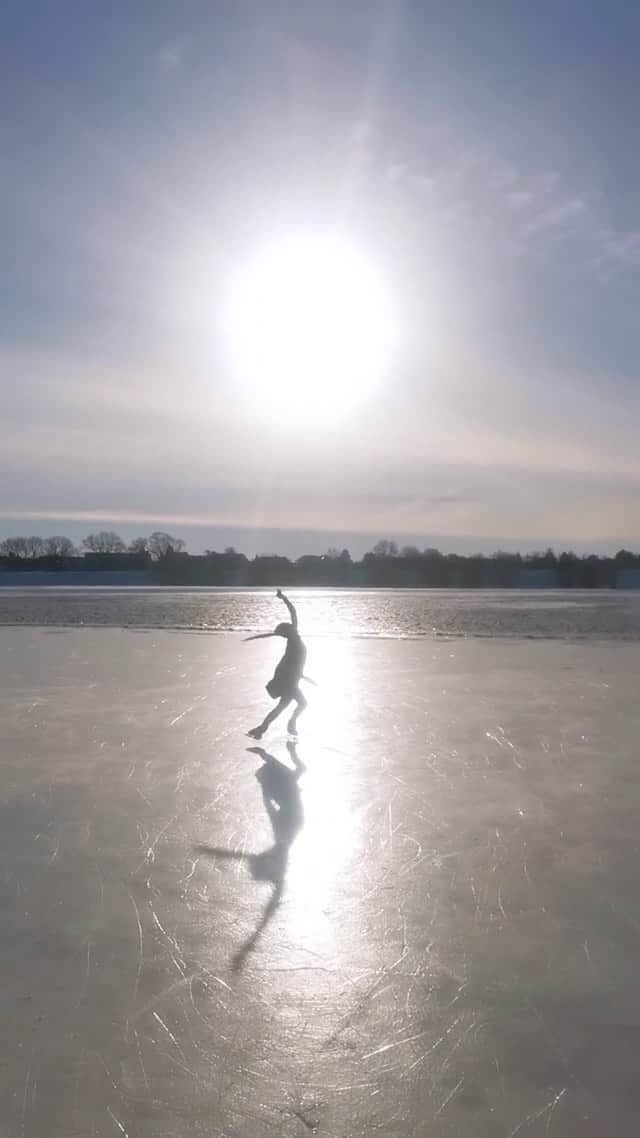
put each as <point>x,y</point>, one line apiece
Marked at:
<point>485,152</point>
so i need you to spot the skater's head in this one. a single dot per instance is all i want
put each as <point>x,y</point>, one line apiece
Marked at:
<point>283,629</point>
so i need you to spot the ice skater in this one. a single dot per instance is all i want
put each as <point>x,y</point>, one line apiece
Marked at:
<point>284,685</point>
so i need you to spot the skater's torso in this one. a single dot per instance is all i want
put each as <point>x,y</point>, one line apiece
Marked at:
<point>291,666</point>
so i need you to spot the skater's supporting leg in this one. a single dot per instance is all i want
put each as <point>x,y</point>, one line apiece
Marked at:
<point>301,704</point>
<point>258,732</point>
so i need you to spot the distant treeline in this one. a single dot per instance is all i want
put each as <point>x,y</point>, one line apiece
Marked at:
<point>163,559</point>
<point>154,547</point>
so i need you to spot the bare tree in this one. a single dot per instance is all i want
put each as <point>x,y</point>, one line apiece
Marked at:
<point>385,548</point>
<point>160,544</point>
<point>34,547</point>
<point>106,541</point>
<point>58,546</point>
<point>138,545</point>
<point>14,547</point>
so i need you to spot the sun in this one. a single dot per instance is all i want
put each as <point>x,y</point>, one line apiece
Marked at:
<point>310,327</point>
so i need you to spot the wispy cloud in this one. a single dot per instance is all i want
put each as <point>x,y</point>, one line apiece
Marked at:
<point>171,57</point>
<point>487,194</point>
<point>479,456</point>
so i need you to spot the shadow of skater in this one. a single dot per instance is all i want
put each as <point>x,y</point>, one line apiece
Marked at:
<point>282,801</point>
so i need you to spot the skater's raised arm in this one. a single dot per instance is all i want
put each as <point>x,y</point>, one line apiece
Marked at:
<point>292,612</point>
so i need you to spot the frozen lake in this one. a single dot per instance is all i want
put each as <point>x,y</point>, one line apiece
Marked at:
<point>569,614</point>
<point>424,921</point>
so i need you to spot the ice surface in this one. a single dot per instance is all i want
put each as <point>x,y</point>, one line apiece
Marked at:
<point>594,614</point>
<point>431,929</point>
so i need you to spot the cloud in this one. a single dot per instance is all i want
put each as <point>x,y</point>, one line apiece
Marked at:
<point>171,57</point>
<point>621,247</point>
<point>477,454</point>
<point>562,213</point>
<point>485,195</point>
<point>519,199</point>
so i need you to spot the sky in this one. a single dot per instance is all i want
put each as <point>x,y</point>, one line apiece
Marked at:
<point>485,155</point>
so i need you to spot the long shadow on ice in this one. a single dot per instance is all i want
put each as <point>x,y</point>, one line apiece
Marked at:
<point>282,801</point>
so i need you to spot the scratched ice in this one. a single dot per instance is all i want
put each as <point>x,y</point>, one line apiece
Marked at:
<point>422,921</point>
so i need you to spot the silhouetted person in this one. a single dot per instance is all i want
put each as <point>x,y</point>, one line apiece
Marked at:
<point>285,682</point>
<point>281,797</point>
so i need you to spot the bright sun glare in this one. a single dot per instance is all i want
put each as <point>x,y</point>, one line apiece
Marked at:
<point>311,328</point>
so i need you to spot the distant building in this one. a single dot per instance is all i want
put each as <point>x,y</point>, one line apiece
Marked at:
<point>538,579</point>
<point>628,579</point>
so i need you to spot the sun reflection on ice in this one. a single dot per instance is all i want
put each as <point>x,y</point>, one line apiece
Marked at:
<point>328,846</point>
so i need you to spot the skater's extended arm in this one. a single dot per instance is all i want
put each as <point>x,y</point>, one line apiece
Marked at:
<point>292,612</point>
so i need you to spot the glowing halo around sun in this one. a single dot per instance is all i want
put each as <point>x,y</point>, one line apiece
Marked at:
<point>310,327</point>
